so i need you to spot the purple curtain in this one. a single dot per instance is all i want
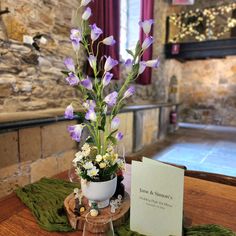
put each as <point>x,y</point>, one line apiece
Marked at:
<point>106,15</point>
<point>147,7</point>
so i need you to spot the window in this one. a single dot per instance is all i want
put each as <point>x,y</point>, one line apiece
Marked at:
<point>129,28</point>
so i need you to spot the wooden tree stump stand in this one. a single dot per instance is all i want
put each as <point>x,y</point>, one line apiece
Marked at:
<point>77,222</point>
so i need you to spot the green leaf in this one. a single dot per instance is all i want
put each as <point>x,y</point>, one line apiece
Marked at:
<point>65,72</point>
<point>138,49</point>
<point>130,52</point>
<point>113,132</point>
<point>89,96</point>
<point>112,139</point>
<point>89,140</point>
<point>103,122</point>
<point>87,29</point>
<point>80,116</point>
<point>110,170</point>
<point>135,70</point>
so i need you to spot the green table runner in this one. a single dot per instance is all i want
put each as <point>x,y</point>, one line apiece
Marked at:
<point>45,199</point>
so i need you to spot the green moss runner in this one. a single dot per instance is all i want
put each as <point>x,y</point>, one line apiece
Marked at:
<point>45,200</point>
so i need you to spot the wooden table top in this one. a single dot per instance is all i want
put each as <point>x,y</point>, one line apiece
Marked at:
<point>204,203</point>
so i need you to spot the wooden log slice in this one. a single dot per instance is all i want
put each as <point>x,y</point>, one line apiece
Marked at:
<point>77,222</point>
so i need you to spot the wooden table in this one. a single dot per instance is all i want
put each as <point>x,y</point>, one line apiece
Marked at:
<point>204,203</point>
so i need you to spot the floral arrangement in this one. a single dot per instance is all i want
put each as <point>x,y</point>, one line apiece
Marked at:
<point>97,161</point>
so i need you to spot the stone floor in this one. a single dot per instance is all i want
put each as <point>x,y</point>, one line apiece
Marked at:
<point>198,147</point>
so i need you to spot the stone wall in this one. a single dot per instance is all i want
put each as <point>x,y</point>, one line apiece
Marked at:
<point>28,154</point>
<point>29,79</point>
<point>146,127</point>
<point>208,91</point>
<point>207,87</point>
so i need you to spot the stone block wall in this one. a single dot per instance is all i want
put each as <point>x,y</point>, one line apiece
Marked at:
<point>208,91</point>
<point>31,80</point>
<point>28,154</point>
<point>126,127</point>
<point>205,88</point>
<point>146,127</point>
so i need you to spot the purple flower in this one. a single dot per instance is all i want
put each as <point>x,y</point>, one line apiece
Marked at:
<point>142,67</point>
<point>69,63</point>
<point>95,32</point>
<point>109,40</point>
<point>89,104</point>
<point>69,112</point>
<point>75,34</point>
<point>75,44</point>
<point>146,25</point>
<point>75,131</point>
<point>75,37</point>
<point>85,2</point>
<point>129,92</point>
<point>128,65</point>
<point>107,78</point>
<point>92,61</point>
<point>91,114</point>
<point>110,99</point>
<point>119,136</point>
<point>87,13</point>
<point>153,63</point>
<point>87,83</point>
<point>72,79</point>
<point>115,123</point>
<point>147,42</point>
<point>110,63</point>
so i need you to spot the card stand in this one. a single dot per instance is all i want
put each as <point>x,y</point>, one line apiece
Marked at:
<point>120,216</point>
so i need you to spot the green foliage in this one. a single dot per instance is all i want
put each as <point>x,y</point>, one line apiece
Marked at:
<point>130,52</point>
<point>83,175</point>
<point>80,116</point>
<point>89,140</point>
<point>135,71</point>
<point>112,139</point>
<point>138,50</point>
<point>108,172</point>
<point>103,122</point>
<point>65,72</point>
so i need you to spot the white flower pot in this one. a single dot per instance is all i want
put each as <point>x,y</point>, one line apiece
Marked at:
<point>99,192</point>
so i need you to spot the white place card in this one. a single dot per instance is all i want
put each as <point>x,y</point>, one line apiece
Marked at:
<point>156,198</point>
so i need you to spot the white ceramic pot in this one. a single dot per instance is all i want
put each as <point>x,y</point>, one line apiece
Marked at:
<point>99,192</point>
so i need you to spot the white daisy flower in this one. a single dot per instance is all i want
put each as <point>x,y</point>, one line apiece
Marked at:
<point>88,165</point>
<point>93,172</point>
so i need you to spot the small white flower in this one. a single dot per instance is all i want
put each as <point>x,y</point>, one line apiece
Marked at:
<point>93,172</point>
<point>88,165</point>
<point>120,163</point>
<point>115,159</point>
<point>102,165</point>
<point>86,149</point>
<point>76,190</point>
<point>98,158</point>
<point>86,152</point>
<point>78,157</point>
